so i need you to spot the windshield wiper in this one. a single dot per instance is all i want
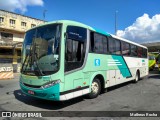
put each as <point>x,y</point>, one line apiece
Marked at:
<point>23,64</point>
<point>34,53</point>
<point>27,56</point>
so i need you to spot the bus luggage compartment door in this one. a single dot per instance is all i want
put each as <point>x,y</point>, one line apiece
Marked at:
<point>111,76</point>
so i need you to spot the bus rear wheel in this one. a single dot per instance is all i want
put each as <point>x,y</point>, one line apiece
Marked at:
<point>137,77</point>
<point>95,88</point>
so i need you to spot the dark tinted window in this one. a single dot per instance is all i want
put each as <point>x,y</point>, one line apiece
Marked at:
<point>6,51</point>
<point>98,43</point>
<point>76,33</point>
<point>6,36</point>
<point>133,50</point>
<point>75,49</point>
<point>111,45</point>
<point>144,54</point>
<point>139,50</point>
<point>125,49</point>
<point>105,46</point>
<point>117,47</point>
<point>19,52</point>
<point>114,46</point>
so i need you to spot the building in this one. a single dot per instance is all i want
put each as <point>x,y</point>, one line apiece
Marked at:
<point>153,47</point>
<point>12,29</point>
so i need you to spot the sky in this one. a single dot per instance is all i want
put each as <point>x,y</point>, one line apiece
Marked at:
<point>137,20</point>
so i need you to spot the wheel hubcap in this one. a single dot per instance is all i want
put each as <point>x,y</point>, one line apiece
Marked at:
<point>95,87</point>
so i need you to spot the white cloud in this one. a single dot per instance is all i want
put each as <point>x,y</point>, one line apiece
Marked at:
<point>12,5</point>
<point>144,29</point>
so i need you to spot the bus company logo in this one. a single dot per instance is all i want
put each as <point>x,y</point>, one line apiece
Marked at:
<point>97,62</point>
<point>6,114</point>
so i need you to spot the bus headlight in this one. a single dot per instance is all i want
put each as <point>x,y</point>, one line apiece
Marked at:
<point>51,83</point>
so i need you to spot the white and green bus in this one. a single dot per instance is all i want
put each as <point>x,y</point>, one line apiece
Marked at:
<point>65,59</point>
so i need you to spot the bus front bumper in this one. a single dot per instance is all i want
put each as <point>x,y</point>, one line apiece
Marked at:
<point>51,93</point>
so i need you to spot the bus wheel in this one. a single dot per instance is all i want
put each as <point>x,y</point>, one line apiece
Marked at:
<point>95,88</point>
<point>137,77</point>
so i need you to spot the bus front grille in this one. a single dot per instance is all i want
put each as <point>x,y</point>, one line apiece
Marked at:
<point>31,86</point>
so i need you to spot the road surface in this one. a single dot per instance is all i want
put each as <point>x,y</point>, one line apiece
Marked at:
<point>142,96</point>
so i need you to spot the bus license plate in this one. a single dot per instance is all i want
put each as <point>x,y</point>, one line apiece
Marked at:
<point>31,92</point>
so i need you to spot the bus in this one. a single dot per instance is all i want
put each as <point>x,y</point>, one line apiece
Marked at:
<point>154,57</point>
<point>158,62</point>
<point>152,61</point>
<point>66,59</point>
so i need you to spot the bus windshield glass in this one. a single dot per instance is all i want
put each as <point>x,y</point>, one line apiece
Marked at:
<point>151,58</point>
<point>41,50</point>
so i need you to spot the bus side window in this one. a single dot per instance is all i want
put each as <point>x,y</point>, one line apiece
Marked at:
<point>98,43</point>
<point>144,53</point>
<point>114,46</point>
<point>117,47</point>
<point>111,45</point>
<point>133,50</point>
<point>139,52</point>
<point>125,48</point>
<point>92,42</point>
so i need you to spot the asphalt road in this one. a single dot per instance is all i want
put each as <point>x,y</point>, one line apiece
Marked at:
<point>142,96</point>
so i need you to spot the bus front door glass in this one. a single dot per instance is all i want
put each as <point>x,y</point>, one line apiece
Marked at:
<point>75,47</point>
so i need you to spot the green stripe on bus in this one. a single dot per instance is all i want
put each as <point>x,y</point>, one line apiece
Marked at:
<point>122,66</point>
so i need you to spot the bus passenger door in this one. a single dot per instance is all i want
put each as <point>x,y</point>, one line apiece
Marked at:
<point>75,49</point>
<point>111,76</point>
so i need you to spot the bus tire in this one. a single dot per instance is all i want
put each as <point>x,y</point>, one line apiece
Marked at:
<point>95,88</point>
<point>137,77</point>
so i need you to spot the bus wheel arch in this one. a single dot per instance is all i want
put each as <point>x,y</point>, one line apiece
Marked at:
<point>137,76</point>
<point>102,81</point>
<point>98,82</point>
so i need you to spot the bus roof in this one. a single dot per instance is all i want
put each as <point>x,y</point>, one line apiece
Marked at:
<point>70,22</point>
<point>66,22</point>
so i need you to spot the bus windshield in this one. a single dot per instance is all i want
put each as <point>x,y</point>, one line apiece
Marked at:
<point>151,57</point>
<point>41,50</point>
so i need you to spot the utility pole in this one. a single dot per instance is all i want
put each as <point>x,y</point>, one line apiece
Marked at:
<point>44,14</point>
<point>116,22</point>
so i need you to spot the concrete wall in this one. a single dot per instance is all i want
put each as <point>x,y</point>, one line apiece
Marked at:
<point>18,37</point>
<point>6,63</point>
<point>18,19</point>
<point>18,30</point>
